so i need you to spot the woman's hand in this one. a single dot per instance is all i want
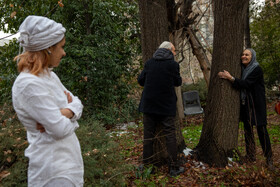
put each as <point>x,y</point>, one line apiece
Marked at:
<point>40,128</point>
<point>225,75</point>
<point>69,98</point>
<point>67,112</point>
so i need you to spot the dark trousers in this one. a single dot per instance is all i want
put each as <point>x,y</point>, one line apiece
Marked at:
<point>250,141</point>
<point>150,122</point>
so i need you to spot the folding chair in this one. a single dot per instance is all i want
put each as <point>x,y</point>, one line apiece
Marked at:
<point>192,103</point>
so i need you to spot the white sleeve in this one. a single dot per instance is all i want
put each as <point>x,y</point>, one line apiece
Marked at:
<point>76,105</point>
<point>41,107</point>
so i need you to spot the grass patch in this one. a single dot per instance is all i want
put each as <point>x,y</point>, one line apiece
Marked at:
<point>191,135</point>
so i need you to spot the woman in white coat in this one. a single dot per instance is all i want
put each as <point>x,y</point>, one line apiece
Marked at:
<point>46,108</point>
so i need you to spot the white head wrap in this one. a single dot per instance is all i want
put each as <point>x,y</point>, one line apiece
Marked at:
<point>38,33</point>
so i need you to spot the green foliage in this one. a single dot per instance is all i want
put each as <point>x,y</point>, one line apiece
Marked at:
<point>8,70</point>
<point>200,86</point>
<point>13,143</point>
<point>103,164</point>
<point>100,54</point>
<point>265,32</point>
<point>274,133</point>
<point>13,12</point>
<point>144,173</point>
<point>101,44</point>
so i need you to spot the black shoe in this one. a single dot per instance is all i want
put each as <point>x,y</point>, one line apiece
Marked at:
<point>269,164</point>
<point>176,172</point>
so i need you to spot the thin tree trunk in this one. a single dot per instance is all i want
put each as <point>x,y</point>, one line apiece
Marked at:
<point>220,129</point>
<point>200,54</point>
<point>175,38</point>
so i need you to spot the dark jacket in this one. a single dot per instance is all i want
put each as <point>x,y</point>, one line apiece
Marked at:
<point>159,77</point>
<point>254,110</point>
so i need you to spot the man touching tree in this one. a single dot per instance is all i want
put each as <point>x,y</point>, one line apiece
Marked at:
<point>158,103</point>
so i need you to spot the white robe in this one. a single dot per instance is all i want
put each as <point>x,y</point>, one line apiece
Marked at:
<point>55,153</point>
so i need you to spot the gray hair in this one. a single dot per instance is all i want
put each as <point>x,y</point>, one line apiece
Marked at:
<point>166,45</point>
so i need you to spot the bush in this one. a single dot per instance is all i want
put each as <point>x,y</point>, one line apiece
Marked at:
<point>8,70</point>
<point>99,60</point>
<point>13,143</point>
<point>265,36</point>
<point>101,46</point>
<point>118,113</point>
<point>103,163</point>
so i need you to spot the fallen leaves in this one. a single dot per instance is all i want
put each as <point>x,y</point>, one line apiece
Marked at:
<point>200,174</point>
<point>4,174</point>
<point>13,14</point>
<point>9,159</point>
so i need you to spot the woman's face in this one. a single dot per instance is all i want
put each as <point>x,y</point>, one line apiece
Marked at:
<point>246,57</point>
<point>57,52</point>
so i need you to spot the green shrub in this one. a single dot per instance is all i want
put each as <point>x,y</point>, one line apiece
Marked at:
<point>12,160</point>
<point>101,47</point>
<point>103,163</point>
<point>118,113</point>
<point>265,37</point>
<point>8,70</point>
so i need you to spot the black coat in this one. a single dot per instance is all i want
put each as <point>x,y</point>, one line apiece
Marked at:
<point>254,110</point>
<point>159,77</point>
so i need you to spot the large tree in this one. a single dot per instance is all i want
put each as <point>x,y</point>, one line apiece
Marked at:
<point>154,30</point>
<point>220,129</point>
<point>171,20</point>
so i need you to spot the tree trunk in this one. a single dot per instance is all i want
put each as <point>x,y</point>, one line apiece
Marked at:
<point>247,29</point>
<point>200,54</point>
<point>220,129</point>
<point>154,30</point>
<point>154,26</point>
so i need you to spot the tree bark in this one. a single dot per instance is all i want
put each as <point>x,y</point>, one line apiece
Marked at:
<point>200,54</point>
<point>220,129</point>
<point>154,30</point>
<point>247,29</point>
<point>154,26</point>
